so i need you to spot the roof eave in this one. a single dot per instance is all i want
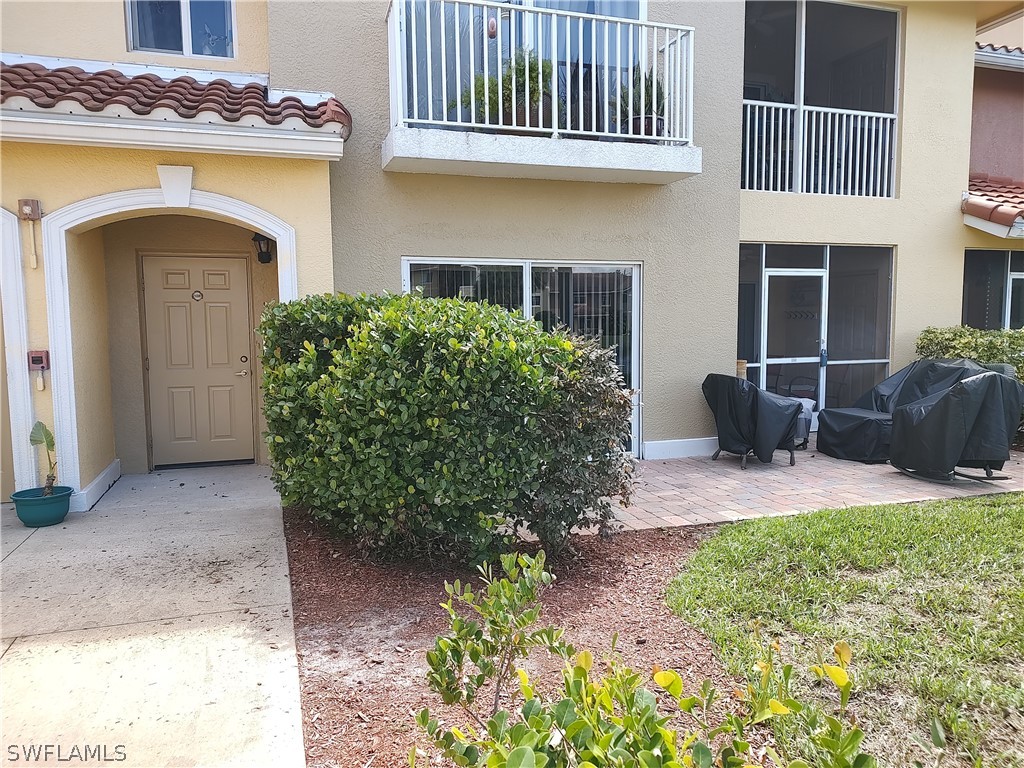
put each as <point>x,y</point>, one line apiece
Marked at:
<point>182,136</point>
<point>999,60</point>
<point>1014,230</point>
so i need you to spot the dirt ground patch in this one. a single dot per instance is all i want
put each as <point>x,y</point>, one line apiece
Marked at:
<point>363,628</point>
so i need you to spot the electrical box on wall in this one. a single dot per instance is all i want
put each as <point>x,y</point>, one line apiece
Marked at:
<point>39,360</point>
<point>29,210</point>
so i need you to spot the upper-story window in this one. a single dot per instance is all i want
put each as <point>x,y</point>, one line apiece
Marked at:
<point>819,98</point>
<point>186,27</point>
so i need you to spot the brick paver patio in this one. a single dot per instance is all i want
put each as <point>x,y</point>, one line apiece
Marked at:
<point>697,491</point>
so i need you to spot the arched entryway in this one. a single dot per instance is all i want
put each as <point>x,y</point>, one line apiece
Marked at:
<point>75,231</point>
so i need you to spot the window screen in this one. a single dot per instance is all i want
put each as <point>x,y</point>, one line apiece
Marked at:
<point>984,289</point>
<point>500,284</point>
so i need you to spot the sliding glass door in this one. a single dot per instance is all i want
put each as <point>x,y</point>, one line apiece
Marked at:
<point>597,300</point>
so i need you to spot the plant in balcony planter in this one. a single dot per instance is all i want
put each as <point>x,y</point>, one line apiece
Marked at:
<point>646,118</point>
<point>525,76</point>
<point>48,505</point>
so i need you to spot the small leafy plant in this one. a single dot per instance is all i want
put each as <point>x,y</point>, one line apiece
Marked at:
<point>41,435</point>
<point>609,720</point>
<point>483,650</point>
<point>647,98</point>
<point>936,747</point>
<point>525,75</point>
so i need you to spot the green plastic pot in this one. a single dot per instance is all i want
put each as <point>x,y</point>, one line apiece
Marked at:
<point>38,511</point>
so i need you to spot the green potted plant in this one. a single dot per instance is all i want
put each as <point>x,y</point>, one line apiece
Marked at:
<point>648,106</point>
<point>39,507</point>
<point>525,72</point>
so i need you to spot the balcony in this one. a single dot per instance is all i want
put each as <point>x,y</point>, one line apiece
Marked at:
<point>791,148</point>
<point>483,88</point>
<point>820,98</point>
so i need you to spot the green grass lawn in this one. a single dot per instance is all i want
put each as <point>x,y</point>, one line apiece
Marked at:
<point>930,596</point>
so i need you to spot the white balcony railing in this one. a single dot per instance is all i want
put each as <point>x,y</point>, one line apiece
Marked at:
<point>500,67</point>
<point>787,148</point>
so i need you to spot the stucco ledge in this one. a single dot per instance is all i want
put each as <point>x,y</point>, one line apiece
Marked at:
<point>468,153</point>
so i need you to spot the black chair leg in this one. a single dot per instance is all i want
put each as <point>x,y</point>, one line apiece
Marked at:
<point>716,454</point>
<point>743,461</point>
<point>792,459</point>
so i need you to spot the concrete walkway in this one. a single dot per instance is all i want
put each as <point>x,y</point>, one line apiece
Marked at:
<point>698,491</point>
<point>157,626</point>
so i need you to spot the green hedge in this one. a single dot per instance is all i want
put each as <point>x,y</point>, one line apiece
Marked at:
<point>437,426</point>
<point>981,346</point>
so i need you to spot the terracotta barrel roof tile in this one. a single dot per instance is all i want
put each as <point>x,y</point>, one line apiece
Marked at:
<point>142,94</point>
<point>998,199</point>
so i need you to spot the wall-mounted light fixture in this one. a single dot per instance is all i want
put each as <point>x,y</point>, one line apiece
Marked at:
<point>263,244</point>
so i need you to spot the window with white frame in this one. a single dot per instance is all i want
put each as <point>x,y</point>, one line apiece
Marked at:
<point>186,27</point>
<point>993,289</point>
<point>597,300</point>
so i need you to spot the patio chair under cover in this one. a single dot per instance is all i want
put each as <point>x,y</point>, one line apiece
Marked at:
<point>864,432</point>
<point>749,419</point>
<point>972,424</point>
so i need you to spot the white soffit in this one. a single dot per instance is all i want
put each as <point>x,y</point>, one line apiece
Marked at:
<point>1016,230</point>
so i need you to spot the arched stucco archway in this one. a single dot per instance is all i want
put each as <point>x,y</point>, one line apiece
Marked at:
<point>103,209</point>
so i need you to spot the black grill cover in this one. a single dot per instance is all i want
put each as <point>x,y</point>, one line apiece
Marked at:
<point>918,380</point>
<point>971,424</point>
<point>749,419</point>
<point>863,433</point>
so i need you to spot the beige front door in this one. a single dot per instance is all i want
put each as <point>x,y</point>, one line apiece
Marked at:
<point>199,356</point>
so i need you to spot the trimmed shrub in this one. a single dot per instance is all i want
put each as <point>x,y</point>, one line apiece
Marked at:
<point>435,426</point>
<point>981,346</point>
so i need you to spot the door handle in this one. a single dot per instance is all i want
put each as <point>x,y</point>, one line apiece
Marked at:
<point>242,373</point>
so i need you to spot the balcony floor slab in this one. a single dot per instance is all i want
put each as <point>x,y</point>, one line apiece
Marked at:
<point>462,152</point>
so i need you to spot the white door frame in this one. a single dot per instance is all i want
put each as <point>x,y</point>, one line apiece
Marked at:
<point>767,275</point>
<point>104,209</point>
<point>19,381</point>
<point>1010,278</point>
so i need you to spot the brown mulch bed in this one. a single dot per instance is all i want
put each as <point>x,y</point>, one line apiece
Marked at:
<point>362,630</point>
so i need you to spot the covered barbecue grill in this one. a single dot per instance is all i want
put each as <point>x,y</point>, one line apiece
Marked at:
<point>972,424</point>
<point>864,432</point>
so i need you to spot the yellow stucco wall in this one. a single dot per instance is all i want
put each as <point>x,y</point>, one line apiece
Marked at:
<point>297,191</point>
<point>88,290</point>
<point>923,224</point>
<point>97,29</point>
<point>124,241</point>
